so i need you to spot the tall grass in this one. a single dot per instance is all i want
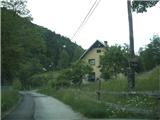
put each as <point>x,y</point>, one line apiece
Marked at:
<point>84,100</point>
<point>117,84</point>
<point>78,102</point>
<point>90,107</point>
<point>149,81</point>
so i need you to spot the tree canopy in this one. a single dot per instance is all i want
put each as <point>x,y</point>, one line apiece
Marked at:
<point>28,49</point>
<point>114,61</point>
<point>141,6</point>
<point>18,6</point>
<point>150,55</point>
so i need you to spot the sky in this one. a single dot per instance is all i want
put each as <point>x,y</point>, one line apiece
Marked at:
<point>109,21</point>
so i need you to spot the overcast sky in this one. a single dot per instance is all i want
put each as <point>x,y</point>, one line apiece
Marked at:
<point>109,21</point>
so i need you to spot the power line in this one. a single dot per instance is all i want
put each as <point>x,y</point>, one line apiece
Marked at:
<point>92,9</point>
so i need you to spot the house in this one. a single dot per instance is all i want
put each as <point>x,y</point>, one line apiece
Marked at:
<point>92,57</point>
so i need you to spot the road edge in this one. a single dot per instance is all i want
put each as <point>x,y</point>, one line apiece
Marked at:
<point>4,115</point>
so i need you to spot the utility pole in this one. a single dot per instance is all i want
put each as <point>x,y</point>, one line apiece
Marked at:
<point>131,71</point>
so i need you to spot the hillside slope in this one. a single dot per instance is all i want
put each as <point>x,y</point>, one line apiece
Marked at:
<point>28,49</point>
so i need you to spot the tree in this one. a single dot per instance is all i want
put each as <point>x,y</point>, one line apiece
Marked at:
<point>74,74</point>
<point>28,48</point>
<point>141,6</point>
<point>114,61</point>
<point>150,55</point>
<point>18,6</point>
<point>63,60</point>
<point>79,70</point>
<point>17,84</point>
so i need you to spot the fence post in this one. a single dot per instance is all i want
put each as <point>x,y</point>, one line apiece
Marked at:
<point>99,89</point>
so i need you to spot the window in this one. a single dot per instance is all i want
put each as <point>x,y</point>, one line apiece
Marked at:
<point>92,77</point>
<point>99,66</point>
<point>98,51</point>
<point>91,61</point>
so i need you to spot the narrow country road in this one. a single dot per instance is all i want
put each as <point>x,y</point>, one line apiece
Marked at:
<point>35,106</point>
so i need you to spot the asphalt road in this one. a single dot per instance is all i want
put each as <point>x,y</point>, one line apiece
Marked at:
<point>35,106</point>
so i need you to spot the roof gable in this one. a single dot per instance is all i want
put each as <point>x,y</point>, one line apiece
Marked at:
<point>96,44</point>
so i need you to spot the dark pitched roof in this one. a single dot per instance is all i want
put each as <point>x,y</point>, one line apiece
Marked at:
<point>96,44</point>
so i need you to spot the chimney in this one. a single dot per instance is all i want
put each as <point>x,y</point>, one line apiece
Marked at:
<point>105,43</point>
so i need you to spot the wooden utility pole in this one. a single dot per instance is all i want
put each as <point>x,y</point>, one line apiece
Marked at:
<point>131,71</point>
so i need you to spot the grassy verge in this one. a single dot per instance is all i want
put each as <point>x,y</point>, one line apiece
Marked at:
<point>84,100</point>
<point>139,101</point>
<point>89,106</point>
<point>9,98</point>
<point>80,103</point>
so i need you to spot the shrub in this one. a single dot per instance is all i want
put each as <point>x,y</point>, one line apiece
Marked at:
<point>17,84</point>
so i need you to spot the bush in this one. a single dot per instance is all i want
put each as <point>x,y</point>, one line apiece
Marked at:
<point>51,83</point>
<point>17,84</point>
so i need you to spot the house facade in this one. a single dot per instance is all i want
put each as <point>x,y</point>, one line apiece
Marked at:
<point>92,57</point>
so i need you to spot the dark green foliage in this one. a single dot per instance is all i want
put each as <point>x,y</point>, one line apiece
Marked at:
<point>79,70</point>
<point>74,74</point>
<point>64,59</point>
<point>114,61</point>
<point>18,6</point>
<point>28,49</point>
<point>9,98</point>
<point>141,6</point>
<point>21,44</point>
<point>150,56</point>
<point>58,48</point>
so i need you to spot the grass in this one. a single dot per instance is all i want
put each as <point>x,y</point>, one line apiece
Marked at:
<point>78,102</point>
<point>84,99</point>
<point>9,97</point>
<point>149,81</point>
<point>89,106</point>
<point>138,101</point>
<point>111,85</point>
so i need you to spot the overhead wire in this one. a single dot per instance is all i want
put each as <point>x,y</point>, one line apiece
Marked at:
<point>92,9</point>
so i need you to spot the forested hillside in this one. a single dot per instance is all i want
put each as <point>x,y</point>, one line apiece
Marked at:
<point>28,49</point>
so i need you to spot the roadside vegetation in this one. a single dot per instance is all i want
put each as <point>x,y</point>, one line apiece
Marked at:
<point>30,49</point>
<point>34,57</point>
<point>84,99</point>
<point>9,98</point>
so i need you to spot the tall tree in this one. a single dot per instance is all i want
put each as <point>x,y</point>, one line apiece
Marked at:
<point>18,6</point>
<point>114,61</point>
<point>150,55</point>
<point>63,59</point>
<point>27,49</point>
